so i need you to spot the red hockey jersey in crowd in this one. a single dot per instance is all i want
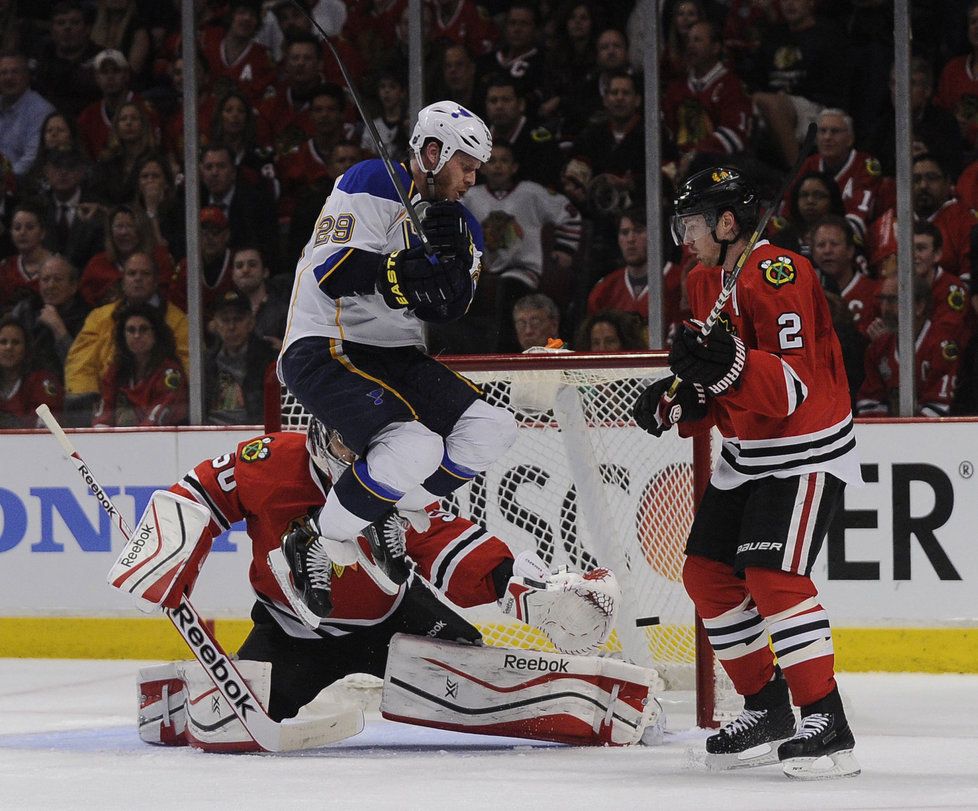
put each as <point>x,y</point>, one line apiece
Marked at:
<point>955,220</point>
<point>858,180</point>
<point>936,369</point>
<point>17,407</point>
<point>467,25</point>
<point>15,284</point>
<point>209,294</point>
<point>860,297</point>
<point>101,277</point>
<point>159,399</point>
<point>711,114</point>
<point>617,292</point>
<point>95,125</point>
<point>297,171</point>
<point>790,413</point>
<point>957,91</point>
<point>251,72</point>
<point>951,305</point>
<point>270,481</point>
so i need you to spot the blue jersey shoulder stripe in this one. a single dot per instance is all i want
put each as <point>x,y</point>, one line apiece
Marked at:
<point>370,177</point>
<point>475,228</point>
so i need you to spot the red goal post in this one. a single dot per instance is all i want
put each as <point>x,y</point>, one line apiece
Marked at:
<point>584,485</point>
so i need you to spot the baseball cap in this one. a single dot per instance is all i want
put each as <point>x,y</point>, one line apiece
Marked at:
<point>110,55</point>
<point>212,215</point>
<point>233,300</point>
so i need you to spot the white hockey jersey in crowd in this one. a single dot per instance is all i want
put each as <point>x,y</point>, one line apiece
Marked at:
<point>362,212</point>
<point>512,223</point>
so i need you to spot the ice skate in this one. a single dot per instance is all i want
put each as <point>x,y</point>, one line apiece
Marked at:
<point>822,747</point>
<point>310,566</point>
<point>386,537</point>
<point>753,738</point>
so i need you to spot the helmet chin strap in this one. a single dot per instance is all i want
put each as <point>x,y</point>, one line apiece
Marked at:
<point>723,243</point>
<point>430,178</point>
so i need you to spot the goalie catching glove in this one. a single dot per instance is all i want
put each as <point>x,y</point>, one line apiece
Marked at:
<point>715,360</point>
<point>410,279</point>
<point>575,612</point>
<point>656,412</point>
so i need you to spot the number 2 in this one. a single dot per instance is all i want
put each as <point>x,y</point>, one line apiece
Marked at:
<point>789,335</point>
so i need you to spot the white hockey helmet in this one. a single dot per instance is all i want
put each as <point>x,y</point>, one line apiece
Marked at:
<point>456,128</point>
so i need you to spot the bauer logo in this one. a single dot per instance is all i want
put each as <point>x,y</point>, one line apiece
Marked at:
<point>540,664</point>
<point>760,546</point>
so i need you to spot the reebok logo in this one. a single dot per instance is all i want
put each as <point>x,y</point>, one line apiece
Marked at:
<point>136,544</point>
<point>231,685</point>
<point>437,628</point>
<point>760,546</point>
<point>542,665</point>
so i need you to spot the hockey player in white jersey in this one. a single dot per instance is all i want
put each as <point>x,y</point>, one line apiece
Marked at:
<point>353,350</point>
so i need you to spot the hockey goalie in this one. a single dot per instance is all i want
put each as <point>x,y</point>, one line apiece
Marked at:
<point>390,611</point>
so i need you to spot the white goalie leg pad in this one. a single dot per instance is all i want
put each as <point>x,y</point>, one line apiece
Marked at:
<point>576,612</point>
<point>164,552</point>
<point>161,708</point>
<point>212,725</point>
<point>580,700</point>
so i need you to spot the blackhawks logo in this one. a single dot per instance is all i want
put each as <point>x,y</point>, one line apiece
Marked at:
<point>256,450</point>
<point>955,298</point>
<point>949,350</point>
<point>172,378</point>
<point>778,271</point>
<point>720,175</point>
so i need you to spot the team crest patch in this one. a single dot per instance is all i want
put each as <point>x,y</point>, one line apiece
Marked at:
<point>955,298</point>
<point>49,388</point>
<point>256,450</point>
<point>778,272</point>
<point>172,378</point>
<point>873,167</point>
<point>949,350</point>
<point>720,175</point>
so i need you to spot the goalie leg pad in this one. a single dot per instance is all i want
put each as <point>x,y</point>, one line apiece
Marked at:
<point>579,700</point>
<point>164,554</point>
<point>180,706</point>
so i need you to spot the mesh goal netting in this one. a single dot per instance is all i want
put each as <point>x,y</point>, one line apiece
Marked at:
<point>583,486</point>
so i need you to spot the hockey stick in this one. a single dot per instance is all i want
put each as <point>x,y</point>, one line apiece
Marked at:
<point>731,279</point>
<point>271,735</point>
<point>374,135</point>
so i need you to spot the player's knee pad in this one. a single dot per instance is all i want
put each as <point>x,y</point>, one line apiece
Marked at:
<point>712,586</point>
<point>404,455</point>
<point>482,434</point>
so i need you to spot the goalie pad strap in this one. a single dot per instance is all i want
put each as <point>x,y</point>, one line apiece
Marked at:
<point>580,700</point>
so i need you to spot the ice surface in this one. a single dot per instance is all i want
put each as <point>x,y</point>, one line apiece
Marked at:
<point>68,740</point>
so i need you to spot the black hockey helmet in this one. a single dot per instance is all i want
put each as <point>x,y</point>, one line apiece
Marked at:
<point>710,193</point>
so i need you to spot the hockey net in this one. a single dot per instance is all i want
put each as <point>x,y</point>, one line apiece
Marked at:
<point>583,485</point>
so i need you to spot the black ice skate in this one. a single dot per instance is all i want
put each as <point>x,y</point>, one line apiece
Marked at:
<point>311,567</point>
<point>822,747</point>
<point>388,548</point>
<point>753,738</point>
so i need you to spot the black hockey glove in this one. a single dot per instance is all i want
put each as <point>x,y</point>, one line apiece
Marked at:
<point>656,413</point>
<point>715,362</point>
<point>445,226</point>
<point>409,279</point>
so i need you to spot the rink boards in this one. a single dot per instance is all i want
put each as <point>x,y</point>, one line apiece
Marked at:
<point>898,573</point>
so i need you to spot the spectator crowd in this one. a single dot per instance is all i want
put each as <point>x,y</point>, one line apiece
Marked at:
<point>93,249</point>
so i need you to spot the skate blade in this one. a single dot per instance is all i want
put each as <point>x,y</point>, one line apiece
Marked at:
<point>825,767</point>
<point>764,754</point>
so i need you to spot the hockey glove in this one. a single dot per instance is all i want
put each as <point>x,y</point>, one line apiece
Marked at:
<point>445,226</point>
<point>656,412</point>
<point>715,361</point>
<point>408,279</point>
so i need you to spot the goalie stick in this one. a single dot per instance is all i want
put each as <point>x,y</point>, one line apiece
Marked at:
<point>272,736</point>
<point>731,280</point>
<point>374,137</point>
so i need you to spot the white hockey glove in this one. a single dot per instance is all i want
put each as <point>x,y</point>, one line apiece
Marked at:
<point>575,612</point>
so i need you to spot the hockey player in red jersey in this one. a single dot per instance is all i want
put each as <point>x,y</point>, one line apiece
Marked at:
<point>770,377</point>
<point>275,483</point>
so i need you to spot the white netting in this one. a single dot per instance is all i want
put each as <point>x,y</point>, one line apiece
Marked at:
<point>584,485</point>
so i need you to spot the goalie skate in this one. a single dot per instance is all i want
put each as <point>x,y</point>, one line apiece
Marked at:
<point>822,747</point>
<point>575,612</point>
<point>752,739</point>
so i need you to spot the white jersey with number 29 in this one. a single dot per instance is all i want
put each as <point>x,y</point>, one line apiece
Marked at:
<point>363,212</point>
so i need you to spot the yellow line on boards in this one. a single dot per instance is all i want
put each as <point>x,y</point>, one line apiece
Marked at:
<point>895,650</point>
